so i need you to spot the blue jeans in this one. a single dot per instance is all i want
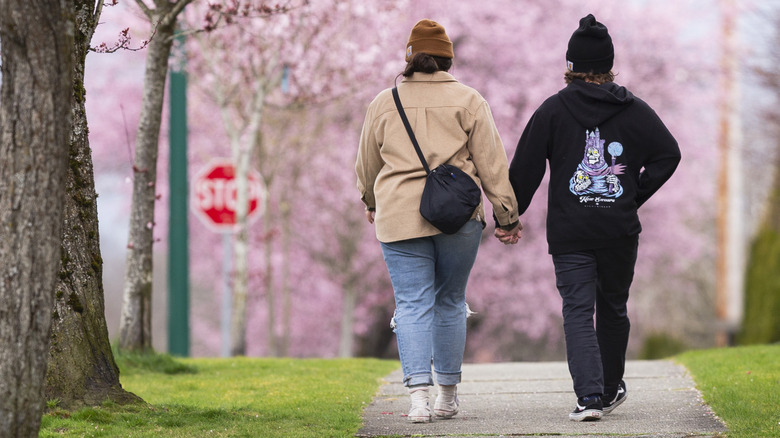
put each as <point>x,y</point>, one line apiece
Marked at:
<point>596,280</point>
<point>429,276</point>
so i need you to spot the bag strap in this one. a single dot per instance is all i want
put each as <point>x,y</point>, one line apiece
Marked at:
<point>409,130</point>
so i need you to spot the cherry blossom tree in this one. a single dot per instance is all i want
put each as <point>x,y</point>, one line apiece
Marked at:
<point>515,71</point>
<point>505,282</point>
<point>283,62</point>
<point>135,325</point>
<point>313,257</point>
<point>241,98</point>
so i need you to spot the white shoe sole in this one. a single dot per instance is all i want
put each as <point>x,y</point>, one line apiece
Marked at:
<point>419,415</point>
<point>418,419</point>
<point>586,415</point>
<point>445,414</point>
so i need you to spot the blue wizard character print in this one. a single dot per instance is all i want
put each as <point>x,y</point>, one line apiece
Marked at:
<point>593,176</point>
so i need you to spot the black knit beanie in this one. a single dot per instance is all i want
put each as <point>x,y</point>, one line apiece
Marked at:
<point>590,48</point>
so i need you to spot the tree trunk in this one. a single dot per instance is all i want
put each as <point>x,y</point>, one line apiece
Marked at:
<point>135,332</point>
<point>243,142</point>
<point>240,255</point>
<point>286,223</point>
<point>268,282</point>
<point>81,367</point>
<point>241,160</point>
<point>348,249</point>
<point>37,46</point>
<point>348,303</point>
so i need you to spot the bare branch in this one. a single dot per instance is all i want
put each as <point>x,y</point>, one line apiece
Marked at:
<point>178,7</point>
<point>145,9</point>
<point>122,43</point>
<point>96,18</point>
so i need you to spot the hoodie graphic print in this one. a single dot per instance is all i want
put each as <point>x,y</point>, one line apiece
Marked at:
<point>596,183</point>
<point>608,152</point>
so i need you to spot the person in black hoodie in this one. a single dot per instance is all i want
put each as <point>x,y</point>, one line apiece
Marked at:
<point>608,153</point>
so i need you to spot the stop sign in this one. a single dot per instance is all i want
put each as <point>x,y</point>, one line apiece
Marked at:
<point>214,195</point>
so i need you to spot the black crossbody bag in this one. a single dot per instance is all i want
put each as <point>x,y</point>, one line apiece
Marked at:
<point>450,195</point>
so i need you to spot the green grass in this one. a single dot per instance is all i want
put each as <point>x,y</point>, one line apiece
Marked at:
<point>244,397</point>
<point>742,385</point>
<point>237,397</point>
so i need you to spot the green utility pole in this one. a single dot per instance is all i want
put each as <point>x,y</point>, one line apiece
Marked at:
<point>178,230</point>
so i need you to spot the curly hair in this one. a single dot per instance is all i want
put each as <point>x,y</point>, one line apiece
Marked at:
<point>598,78</point>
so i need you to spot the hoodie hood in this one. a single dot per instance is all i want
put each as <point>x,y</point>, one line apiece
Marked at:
<point>591,105</point>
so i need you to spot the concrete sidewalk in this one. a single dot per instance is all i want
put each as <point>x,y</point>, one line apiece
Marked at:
<point>535,398</point>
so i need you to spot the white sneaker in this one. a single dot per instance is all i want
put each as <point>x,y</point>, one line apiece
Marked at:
<point>420,412</point>
<point>447,402</point>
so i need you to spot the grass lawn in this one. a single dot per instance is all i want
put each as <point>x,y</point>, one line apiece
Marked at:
<point>249,397</point>
<point>237,397</point>
<point>742,385</point>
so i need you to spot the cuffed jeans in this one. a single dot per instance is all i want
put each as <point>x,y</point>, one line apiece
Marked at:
<point>597,278</point>
<point>429,276</point>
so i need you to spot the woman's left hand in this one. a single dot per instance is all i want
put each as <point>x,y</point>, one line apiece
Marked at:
<point>370,216</point>
<point>510,237</point>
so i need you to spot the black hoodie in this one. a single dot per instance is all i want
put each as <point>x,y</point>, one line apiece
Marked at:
<point>608,153</point>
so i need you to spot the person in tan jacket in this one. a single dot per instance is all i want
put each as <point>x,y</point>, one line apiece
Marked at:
<point>428,269</point>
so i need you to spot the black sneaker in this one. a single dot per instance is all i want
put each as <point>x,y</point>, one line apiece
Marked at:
<point>611,402</point>
<point>588,408</point>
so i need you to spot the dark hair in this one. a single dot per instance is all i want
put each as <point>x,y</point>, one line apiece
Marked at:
<point>425,63</point>
<point>599,78</point>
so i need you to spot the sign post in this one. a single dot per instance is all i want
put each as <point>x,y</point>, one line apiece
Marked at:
<point>214,203</point>
<point>227,296</point>
<point>178,226</point>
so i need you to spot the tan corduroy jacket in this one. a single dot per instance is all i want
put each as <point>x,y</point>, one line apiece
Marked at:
<point>453,124</point>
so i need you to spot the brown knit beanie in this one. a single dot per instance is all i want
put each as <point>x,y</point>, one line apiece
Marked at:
<point>429,37</point>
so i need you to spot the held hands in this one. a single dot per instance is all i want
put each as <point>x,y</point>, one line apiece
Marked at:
<point>510,237</point>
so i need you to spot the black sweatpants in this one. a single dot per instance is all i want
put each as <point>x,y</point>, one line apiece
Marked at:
<point>599,279</point>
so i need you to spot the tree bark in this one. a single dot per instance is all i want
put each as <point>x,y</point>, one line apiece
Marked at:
<point>287,231</point>
<point>242,148</point>
<point>135,332</point>
<point>240,253</point>
<point>268,282</point>
<point>37,45</point>
<point>346,335</point>
<point>82,370</point>
<point>348,250</point>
